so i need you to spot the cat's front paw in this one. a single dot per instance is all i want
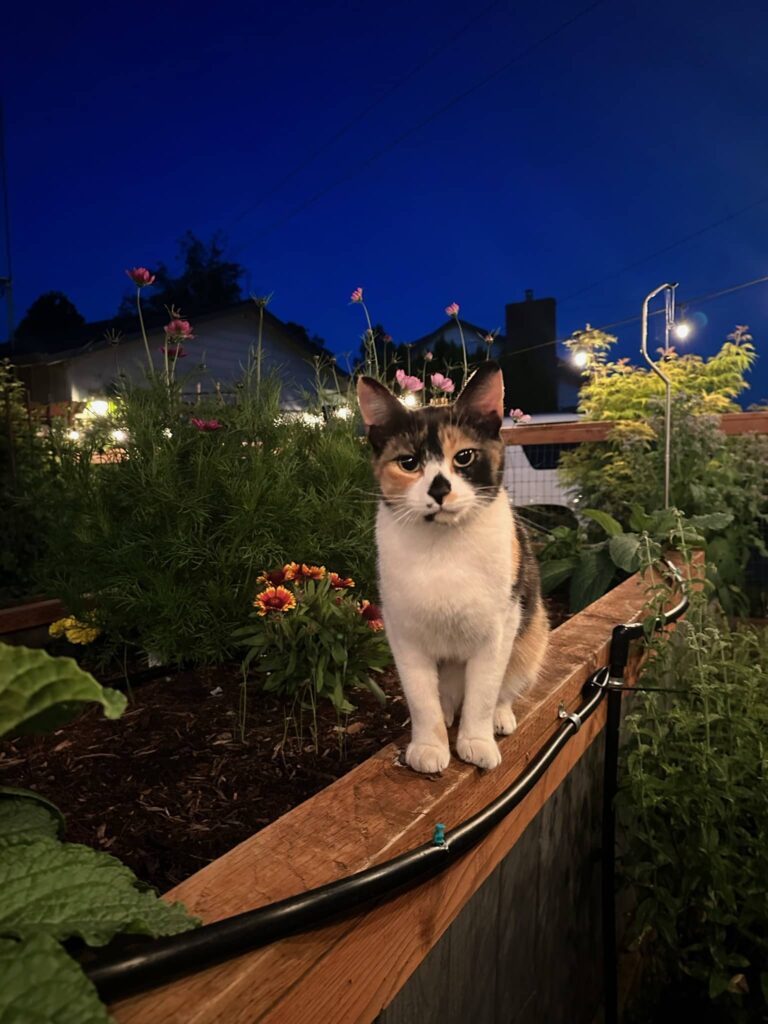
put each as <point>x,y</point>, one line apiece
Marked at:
<point>427,757</point>
<point>482,752</point>
<point>504,721</point>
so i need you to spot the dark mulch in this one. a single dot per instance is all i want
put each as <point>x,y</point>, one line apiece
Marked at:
<point>171,785</point>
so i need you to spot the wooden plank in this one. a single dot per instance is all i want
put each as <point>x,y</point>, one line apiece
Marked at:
<point>27,616</point>
<point>349,970</point>
<point>744,423</point>
<point>578,431</point>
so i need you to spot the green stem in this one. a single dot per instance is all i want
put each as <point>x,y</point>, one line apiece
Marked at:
<point>143,331</point>
<point>463,351</point>
<point>371,340</point>
<point>258,350</point>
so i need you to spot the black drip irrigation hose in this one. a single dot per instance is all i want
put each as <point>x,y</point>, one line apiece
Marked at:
<point>117,975</point>
<point>120,974</point>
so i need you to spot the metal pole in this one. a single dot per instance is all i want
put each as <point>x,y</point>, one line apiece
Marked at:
<point>664,377</point>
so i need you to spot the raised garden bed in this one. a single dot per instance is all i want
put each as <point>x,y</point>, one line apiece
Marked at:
<point>350,969</point>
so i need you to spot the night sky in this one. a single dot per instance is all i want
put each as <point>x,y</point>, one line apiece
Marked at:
<point>604,142</point>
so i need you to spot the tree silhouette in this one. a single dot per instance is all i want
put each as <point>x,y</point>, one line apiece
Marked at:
<point>51,317</point>
<point>207,281</point>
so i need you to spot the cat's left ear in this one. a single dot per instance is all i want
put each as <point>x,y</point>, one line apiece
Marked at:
<point>482,397</point>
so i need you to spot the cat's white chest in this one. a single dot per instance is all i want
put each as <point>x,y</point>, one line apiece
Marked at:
<point>446,587</point>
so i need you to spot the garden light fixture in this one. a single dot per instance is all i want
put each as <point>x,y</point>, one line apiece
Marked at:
<point>97,406</point>
<point>580,358</point>
<point>669,319</point>
<point>682,330</point>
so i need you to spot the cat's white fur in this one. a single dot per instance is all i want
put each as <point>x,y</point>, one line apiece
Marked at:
<point>449,619</point>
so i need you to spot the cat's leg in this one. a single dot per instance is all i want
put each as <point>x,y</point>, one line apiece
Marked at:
<point>451,688</point>
<point>476,742</point>
<point>522,670</point>
<point>428,750</point>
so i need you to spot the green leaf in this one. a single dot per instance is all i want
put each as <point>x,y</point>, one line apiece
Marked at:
<point>338,653</point>
<point>556,572</point>
<point>39,693</point>
<point>712,521</point>
<point>625,551</point>
<point>43,985</point>
<point>718,983</point>
<point>610,525</point>
<point>65,890</point>
<point>591,578</point>
<point>639,520</point>
<point>23,820</point>
<point>376,690</point>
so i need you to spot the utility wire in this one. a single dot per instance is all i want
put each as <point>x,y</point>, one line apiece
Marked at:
<point>672,245</point>
<point>520,55</point>
<point>363,114</point>
<point>697,300</point>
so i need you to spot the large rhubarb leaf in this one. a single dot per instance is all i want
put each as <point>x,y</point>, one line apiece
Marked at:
<point>65,890</point>
<point>43,985</point>
<point>39,693</point>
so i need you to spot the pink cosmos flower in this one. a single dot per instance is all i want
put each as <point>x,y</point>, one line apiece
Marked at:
<point>428,357</point>
<point>489,338</point>
<point>518,416</point>
<point>442,383</point>
<point>408,383</point>
<point>357,295</point>
<point>453,309</point>
<point>206,424</point>
<point>141,277</point>
<point>178,330</point>
<point>174,351</point>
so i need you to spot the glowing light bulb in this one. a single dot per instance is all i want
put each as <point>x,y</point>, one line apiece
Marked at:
<point>97,406</point>
<point>410,399</point>
<point>343,412</point>
<point>73,435</point>
<point>119,435</point>
<point>581,359</point>
<point>682,330</point>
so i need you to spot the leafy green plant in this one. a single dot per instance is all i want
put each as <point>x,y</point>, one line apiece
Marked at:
<point>56,892</point>
<point>310,639</point>
<point>592,565</point>
<point>27,481</point>
<point>160,548</point>
<point>693,807</point>
<point>710,472</point>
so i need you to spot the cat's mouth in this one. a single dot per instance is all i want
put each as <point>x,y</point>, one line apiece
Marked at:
<point>441,515</point>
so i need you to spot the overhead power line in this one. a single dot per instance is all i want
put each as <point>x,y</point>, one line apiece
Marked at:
<point>672,245</point>
<point>695,301</point>
<point>439,111</point>
<point>358,118</point>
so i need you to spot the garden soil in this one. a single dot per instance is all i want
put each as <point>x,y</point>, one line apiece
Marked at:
<point>173,784</point>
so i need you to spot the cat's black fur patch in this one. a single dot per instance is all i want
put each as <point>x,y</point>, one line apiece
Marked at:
<point>525,586</point>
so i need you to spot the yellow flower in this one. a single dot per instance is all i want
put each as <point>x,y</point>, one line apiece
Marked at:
<point>59,627</point>
<point>76,632</point>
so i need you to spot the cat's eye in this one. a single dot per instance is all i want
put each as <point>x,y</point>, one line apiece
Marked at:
<point>464,458</point>
<point>408,462</point>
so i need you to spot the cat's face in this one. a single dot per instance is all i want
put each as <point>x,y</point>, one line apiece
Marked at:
<point>437,465</point>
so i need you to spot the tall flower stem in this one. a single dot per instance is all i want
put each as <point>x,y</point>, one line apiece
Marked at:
<point>258,348</point>
<point>371,342</point>
<point>143,331</point>
<point>463,351</point>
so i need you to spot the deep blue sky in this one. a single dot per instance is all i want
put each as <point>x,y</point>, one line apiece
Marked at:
<point>639,124</point>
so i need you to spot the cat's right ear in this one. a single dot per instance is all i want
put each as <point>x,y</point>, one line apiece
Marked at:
<point>383,414</point>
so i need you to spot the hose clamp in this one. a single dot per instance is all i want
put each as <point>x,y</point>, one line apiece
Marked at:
<point>564,716</point>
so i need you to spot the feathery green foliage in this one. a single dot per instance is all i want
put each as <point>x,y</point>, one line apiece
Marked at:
<point>161,549</point>
<point>694,808</point>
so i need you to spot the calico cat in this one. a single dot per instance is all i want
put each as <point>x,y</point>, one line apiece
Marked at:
<point>459,583</point>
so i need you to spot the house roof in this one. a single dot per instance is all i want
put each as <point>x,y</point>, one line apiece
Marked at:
<point>472,333</point>
<point>119,330</point>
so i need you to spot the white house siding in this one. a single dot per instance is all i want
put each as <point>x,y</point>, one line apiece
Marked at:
<point>221,343</point>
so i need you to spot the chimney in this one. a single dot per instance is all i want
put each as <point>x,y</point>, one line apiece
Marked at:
<point>529,359</point>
